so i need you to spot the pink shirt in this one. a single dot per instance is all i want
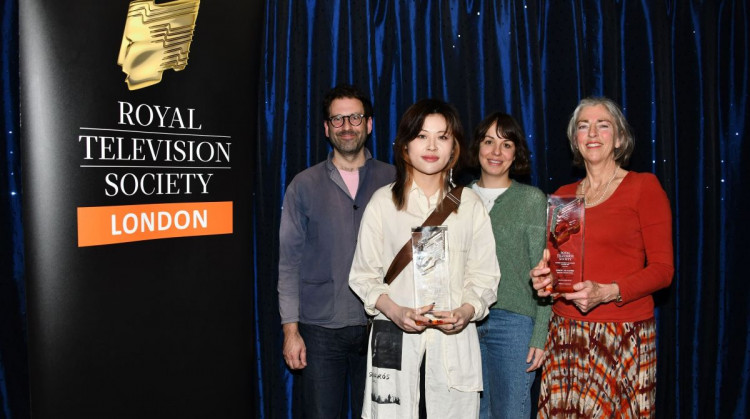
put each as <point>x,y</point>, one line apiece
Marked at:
<point>352,181</point>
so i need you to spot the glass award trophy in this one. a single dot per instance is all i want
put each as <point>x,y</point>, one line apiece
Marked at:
<point>431,270</point>
<point>565,222</point>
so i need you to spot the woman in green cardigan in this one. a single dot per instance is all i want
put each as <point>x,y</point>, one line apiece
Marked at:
<point>512,337</point>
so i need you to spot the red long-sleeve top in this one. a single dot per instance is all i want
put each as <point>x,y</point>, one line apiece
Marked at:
<point>628,240</point>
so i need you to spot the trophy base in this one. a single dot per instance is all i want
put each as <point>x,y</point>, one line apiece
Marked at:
<point>561,288</point>
<point>431,322</point>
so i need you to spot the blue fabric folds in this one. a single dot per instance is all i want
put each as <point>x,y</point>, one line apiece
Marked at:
<point>679,69</point>
<point>14,378</point>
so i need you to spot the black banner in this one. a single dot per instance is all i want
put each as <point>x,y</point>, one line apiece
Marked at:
<point>138,127</point>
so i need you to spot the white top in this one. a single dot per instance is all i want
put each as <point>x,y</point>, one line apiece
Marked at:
<point>474,271</point>
<point>488,195</point>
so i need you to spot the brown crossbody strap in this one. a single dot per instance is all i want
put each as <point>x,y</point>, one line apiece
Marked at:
<point>451,201</point>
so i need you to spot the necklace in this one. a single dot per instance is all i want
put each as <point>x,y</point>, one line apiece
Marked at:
<point>487,199</point>
<point>601,194</point>
<point>489,195</point>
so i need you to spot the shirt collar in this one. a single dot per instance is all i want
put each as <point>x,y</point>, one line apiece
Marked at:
<point>415,190</point>
<point>329,161</point>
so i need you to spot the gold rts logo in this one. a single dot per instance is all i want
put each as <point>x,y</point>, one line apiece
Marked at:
<point>156,38</point>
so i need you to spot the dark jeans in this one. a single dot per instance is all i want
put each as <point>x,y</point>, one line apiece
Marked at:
<point>333,356</point>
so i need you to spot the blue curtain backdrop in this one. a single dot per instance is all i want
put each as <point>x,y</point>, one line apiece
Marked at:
<point>679,69</point>
<point>14,382</point>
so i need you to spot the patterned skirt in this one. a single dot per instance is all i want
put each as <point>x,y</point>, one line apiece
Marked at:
<point>599,370</point>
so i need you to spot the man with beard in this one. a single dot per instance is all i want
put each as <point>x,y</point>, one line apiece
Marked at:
<point>324,322</point>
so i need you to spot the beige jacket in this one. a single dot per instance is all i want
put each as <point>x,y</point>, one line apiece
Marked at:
<point>474,270</point>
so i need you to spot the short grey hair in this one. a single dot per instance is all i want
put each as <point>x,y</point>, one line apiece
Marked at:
<point>623,132</point>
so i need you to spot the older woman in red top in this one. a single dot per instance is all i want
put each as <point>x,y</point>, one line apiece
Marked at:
<point>600,356</point>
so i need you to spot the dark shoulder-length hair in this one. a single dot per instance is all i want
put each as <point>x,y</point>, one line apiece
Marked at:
<point>508,128</point>
<point>408,128</point>
<point>623,132</point>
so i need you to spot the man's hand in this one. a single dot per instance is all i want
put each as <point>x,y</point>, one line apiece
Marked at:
<point>295,353</point>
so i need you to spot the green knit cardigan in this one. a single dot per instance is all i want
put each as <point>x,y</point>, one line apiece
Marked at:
<point>519,219</point>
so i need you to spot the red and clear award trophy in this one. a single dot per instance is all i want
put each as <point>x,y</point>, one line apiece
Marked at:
<point>431,271</point>
<point>565,222</point>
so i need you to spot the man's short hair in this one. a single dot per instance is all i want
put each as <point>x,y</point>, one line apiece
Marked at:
<point>346,91</point>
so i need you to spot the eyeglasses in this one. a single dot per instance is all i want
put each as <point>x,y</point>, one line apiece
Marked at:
<point>355,120</point>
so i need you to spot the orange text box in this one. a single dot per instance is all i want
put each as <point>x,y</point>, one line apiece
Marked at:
<point>128,223</point>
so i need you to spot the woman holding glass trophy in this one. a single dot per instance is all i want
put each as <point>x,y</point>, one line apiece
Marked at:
<point>601,348</point>
<point>425,309</point>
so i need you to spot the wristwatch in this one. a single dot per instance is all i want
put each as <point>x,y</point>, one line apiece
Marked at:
<point>618,299</point>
